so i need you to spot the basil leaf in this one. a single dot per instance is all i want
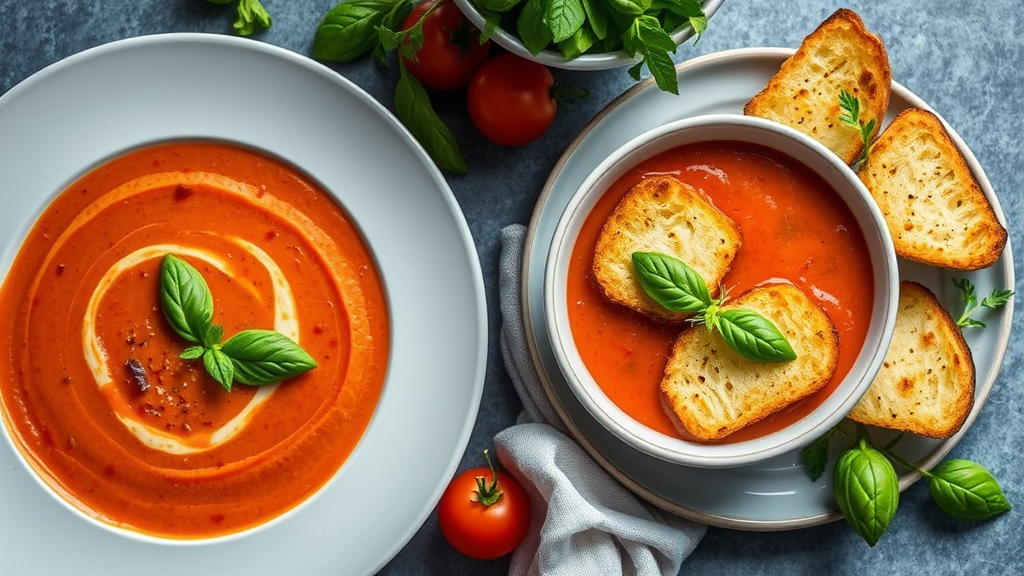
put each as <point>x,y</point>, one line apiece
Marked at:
<point>670,282</point>
<point>265,357</point>
<point>532,29</point>
<point>564,18</point>
<point>647,38</point>
<point>496,5</point>
<point>597,18</point>
<point>966,490</point>
<point>755,337</point>
<point>186,300</point>
<point>349,30</point>
<point>219,366</point>
<point>415,111</point>
<point>492,22</point>
<point>193,352</point>
<point>630,7</point>
<point>867,491</point>
<point>815,457</point>
<point>251,14</point>
<point>690,10</point>
<point>578,43</point>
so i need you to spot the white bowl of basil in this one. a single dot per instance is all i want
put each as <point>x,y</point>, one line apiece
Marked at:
<point>593,34</point>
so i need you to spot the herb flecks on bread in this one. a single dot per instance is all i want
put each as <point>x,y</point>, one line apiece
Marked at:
<point>662,214</point>
<point>926,383</point>
<point>841,54</point>
<point>934,209</point>
<point>711,391</point>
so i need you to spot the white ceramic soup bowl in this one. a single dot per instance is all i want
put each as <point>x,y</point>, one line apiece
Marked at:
<point>744,130</point>
<point>591,61</point>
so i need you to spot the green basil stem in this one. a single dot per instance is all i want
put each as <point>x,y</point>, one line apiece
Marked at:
<point>961,488</point>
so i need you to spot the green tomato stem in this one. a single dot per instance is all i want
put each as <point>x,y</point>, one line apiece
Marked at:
<point>488,495</point>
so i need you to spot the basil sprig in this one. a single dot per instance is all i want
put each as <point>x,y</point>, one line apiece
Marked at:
<point>254,357</point>
<point>677,287</point>
<point>995,299</point>
<point>867,490</point>
<point>357,27</point>
<point>850,107</point>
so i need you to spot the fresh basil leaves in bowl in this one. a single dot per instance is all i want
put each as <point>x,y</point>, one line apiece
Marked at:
<point>594,34</point>
<point>803,222</point>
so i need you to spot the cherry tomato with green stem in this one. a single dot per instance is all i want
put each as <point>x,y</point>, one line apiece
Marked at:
<point>484,513</point>
<point>451,49</point>
<point>511,100</point>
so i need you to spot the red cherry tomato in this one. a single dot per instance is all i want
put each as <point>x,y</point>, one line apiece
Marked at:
<point>451,49</point>
<point>510,100</point>
<point>484,513</point>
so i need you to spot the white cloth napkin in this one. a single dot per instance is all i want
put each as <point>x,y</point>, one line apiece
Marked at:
<point>583,521</point>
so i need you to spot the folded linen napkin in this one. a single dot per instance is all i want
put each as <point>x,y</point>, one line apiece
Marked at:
<point>583,521</point>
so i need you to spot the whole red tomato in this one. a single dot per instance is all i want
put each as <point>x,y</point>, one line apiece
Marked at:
<point>510,100</point>
<point>451,49</point>
<point>484,513</point>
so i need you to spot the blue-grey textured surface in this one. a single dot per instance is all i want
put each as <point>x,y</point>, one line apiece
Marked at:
<point>965,59</point>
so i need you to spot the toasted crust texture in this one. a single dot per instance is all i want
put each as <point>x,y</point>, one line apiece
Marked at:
<point>934,208</point>
<point>926,384</point>
<point>711,391</point>
<point>841,54</point>
<point>662,214</point>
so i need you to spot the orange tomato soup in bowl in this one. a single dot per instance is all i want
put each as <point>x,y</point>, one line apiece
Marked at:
<point>794,229</point>
<point>804,218</point>
<point>181,458</point>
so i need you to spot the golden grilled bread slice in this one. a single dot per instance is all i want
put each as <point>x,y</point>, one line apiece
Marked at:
<point>841,54</point>
<point>711,391</point>
<point>662,214</point>
<point>926,384</point>
<point>934,208</point>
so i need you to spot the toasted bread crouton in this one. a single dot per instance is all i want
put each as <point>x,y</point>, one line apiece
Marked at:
<point>926,384</point>
<point>934,208</point>
<point>662,214</point>
<point>711,391</point>
<point>841,54</point>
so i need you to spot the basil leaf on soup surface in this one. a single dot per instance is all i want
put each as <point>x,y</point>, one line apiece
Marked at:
<point>867,490</point>
<point>964,489</point>
<point>752,335</point>
<point>265,357</point>
<point>671,282</point>
<point>186,300</point>
<point>219,366</point>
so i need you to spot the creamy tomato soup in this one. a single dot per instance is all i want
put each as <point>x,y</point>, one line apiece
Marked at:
<point>794,228</point>
<point>183,458</point>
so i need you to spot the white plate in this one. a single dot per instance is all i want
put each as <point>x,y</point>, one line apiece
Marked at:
<point>777,495</point>
<point>96,105</point>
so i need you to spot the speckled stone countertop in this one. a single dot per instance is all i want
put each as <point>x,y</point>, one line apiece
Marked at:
<point>965,59</point>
